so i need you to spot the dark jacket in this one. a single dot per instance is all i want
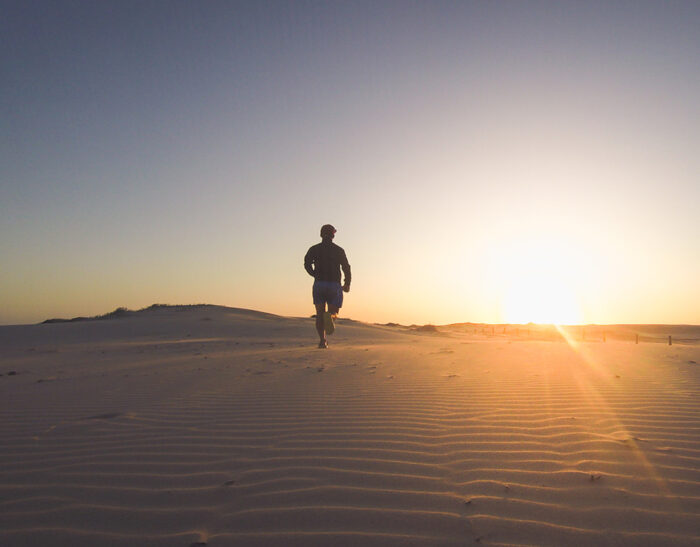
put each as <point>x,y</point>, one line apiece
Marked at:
<point>324,260</point>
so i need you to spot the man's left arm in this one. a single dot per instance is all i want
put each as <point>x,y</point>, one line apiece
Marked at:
<point>308,261</point>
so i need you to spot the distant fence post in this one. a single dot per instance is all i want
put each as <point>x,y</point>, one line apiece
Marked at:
<point>670,342</point>
<point>636,339</point>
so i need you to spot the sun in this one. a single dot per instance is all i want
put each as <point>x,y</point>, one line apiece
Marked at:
<point>540,299</point>
<point>540,279</point>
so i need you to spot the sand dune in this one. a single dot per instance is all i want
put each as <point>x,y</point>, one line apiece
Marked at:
<point>175,426</point>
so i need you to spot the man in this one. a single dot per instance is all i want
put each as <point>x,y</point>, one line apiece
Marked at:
<point>323,262</point>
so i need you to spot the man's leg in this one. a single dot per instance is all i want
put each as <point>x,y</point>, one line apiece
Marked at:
<point>329,318</point>
<point>320,310</point>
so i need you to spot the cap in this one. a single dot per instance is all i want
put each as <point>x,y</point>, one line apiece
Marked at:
<point>327,230</point>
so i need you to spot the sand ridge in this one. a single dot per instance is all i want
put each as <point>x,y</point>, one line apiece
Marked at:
<point>228,427</point>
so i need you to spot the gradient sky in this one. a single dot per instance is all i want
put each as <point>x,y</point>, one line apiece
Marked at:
<point>477,158</point>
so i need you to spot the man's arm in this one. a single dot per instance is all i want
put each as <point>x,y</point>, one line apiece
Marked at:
<point>308,261</point>
<point>345,265</point>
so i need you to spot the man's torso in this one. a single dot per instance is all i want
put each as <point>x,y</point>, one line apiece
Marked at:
<point>327,259</point>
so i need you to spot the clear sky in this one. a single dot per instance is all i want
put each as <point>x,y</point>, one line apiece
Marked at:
<point>482,161</point>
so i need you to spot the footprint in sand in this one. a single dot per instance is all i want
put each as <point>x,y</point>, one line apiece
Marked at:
<point>107,416</point>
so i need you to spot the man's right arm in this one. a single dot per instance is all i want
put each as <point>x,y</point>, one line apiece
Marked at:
<point>345,265</point>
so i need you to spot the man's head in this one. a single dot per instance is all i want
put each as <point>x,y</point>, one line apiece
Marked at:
<point>327,231</point>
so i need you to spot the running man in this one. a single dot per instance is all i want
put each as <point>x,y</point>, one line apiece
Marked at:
<point>323,262</point>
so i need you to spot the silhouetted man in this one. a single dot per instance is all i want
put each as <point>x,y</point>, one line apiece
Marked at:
<point>323,262</point>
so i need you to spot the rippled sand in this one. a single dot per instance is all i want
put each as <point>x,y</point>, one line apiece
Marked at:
<point>228,427</point>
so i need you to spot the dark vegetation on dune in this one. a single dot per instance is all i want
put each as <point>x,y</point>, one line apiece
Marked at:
<point>425,328</point>
<point>125,312</point>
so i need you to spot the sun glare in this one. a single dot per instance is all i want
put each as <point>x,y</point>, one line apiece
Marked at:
<point>539,279</point>
<point>540,300</point>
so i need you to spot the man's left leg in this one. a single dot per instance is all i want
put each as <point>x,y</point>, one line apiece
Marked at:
<point>320,312</point>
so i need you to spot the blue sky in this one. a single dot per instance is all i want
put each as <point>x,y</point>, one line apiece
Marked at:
<point>189,152</point>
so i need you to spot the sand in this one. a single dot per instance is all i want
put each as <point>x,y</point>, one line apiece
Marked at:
<point>175,426</point>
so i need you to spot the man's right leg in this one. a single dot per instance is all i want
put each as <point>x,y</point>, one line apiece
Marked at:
<point>329,318</point>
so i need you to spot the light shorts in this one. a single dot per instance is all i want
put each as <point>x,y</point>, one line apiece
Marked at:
<point>328,291</point>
